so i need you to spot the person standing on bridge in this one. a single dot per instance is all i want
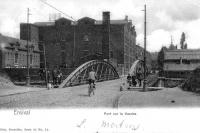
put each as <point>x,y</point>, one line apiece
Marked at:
<point>54,75</point>
<point>139,76</point>
<point>59,76</point>
<point>133,80</point>
<point>129,79</point>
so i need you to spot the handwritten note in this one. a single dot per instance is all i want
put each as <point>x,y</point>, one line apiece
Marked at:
<point>117,122</point>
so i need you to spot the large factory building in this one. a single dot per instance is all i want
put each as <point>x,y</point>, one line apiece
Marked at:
<point>70,43</point>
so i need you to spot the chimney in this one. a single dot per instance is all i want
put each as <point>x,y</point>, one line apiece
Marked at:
<point>106,35</point>
<point>126,18</point>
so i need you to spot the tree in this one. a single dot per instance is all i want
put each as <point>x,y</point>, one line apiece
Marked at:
<point>182,41</point>
<point>160,59</point>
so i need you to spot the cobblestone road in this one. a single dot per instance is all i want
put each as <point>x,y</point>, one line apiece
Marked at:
<point>106,95</point>
<point>166,97</point>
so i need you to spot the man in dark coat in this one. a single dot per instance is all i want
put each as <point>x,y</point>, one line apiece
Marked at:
<point>54,76</point>
<point>139,76</point>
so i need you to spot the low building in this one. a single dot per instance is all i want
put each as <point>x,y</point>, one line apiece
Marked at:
<point>180,62</point>
<point>13,53</point>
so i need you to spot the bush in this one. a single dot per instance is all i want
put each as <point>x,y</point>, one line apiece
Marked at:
<point>193,82</point>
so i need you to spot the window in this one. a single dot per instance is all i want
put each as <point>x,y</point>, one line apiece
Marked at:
<point>63,57</point>
<point>62,46</point>
<point>41,37</point>
<point>111,54</point>
<point>63,23</point>
<point>185,61</point>
<point>31,59</point>
<point>85,38</point>
<point>16,58</point>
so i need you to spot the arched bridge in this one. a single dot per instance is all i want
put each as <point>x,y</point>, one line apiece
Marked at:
<point>137,66</point>
<point>103,69</point>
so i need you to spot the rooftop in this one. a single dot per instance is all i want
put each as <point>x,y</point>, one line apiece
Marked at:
<point>5,41</point>
<point>97,22</point>
<point>182,53</point>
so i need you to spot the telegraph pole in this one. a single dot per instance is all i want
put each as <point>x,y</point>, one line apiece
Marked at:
<point>144,83</point>
<point>45,66</point>
<point>74,46</point>
<point>28,75</point>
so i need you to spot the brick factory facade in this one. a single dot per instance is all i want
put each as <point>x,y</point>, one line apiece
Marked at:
<point>13,53</point>
<point>69,44</point>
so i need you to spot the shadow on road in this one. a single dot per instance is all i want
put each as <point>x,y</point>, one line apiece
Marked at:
<point>83,95</point>
<point>150,90</point>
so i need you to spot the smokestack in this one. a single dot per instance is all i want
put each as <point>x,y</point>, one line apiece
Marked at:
<point>126,18</point>
<point>106,35</point>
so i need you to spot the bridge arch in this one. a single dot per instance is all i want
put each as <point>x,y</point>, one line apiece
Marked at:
<point>104,70</point>
<point>136,66</point>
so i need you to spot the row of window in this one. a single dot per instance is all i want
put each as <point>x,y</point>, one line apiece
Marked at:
<point>21,58</point>
<point>17,66</point>
<point>183,61</point>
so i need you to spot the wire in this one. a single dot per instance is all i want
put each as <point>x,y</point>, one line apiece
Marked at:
<point>57,10</point>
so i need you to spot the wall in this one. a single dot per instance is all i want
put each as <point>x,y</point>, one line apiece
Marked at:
<point>59,41</point>
<point>33,32</point>
<point>9,58</point>
<point>91,42</point>
<point>14,53</point>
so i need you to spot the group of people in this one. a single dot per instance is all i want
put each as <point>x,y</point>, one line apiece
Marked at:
<point>134,79</point>
<point>56,75</point>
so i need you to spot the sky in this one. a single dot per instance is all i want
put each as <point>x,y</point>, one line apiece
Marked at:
<point>166,19</point>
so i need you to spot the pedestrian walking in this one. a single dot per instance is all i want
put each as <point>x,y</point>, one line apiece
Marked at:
<point>59,76</point>
<point>54,76</point>
<point>48,76</point>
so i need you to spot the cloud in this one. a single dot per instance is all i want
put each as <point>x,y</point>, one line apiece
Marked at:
<point>156,39</point>
<point>162,37</point>
<point>164,18</point>
<point>192,33</point>
<point>9,26</point>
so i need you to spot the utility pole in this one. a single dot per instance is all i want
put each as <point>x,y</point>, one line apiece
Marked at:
<point>144,83</point>
<point>45,66</point>
<point>74,46</point>
<point>28,75</point>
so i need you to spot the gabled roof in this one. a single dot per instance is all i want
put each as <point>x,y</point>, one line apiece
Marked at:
<point>190,54</point>
<point>6,41</point>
